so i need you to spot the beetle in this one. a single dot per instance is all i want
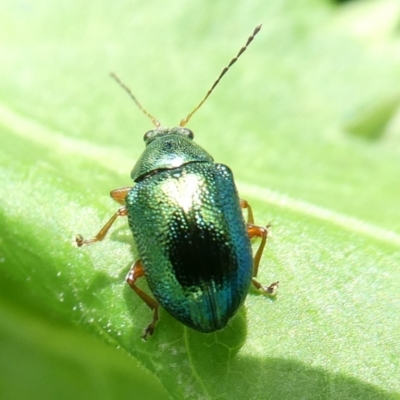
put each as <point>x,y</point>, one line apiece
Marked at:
<point>187,222</point>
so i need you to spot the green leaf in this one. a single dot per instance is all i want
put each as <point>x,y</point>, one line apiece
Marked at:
<point>373,119</point>
<point>70,326</point>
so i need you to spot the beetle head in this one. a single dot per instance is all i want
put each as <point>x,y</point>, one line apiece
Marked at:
<point>160,132</point>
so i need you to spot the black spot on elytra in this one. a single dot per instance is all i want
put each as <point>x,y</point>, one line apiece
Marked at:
<point>199,253</point>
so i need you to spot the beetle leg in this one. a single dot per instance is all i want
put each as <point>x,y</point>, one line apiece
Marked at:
<point>134,273</point>
<point>258,231</point>
<point>80,241</point>
<point>271,290</point>
<point>245,204</point>
<point>119,196</point>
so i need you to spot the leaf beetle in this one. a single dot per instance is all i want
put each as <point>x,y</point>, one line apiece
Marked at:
<point>187,222</point>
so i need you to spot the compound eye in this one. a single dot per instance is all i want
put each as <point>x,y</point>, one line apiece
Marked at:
<point>148,135</point>
<point>189,133</point>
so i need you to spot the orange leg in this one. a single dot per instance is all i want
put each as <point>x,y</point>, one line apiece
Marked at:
<point>134,273</point>
<point>258,231</point>
<point>119,196</point>
<point>245,204</point>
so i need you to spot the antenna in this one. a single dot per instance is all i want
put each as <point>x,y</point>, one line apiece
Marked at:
<point>155,121</point>
<point>224,71</point>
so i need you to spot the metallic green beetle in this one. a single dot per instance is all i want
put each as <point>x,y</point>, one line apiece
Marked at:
<point>186,219</point>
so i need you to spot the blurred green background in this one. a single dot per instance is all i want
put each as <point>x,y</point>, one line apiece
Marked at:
<point>308,120</point>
